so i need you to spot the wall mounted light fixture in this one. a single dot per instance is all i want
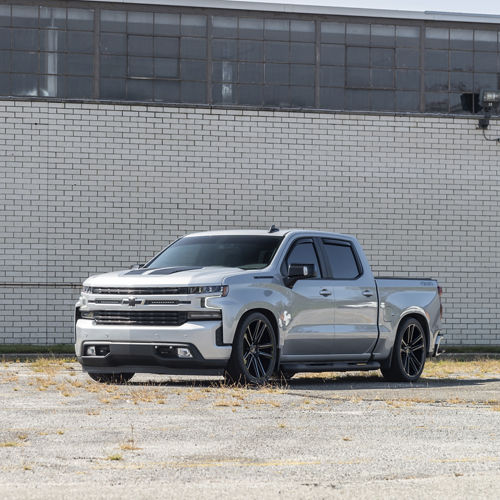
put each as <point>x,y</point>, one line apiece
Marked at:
<point>490,101</point>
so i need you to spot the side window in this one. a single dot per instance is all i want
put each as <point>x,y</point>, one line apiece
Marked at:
<point>304,253</point>
<point>342,260</point>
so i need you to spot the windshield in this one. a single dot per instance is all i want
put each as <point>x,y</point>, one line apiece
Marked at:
<point>245,252</point>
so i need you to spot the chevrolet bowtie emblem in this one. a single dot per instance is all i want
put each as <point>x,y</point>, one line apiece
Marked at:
<point>129,301</point>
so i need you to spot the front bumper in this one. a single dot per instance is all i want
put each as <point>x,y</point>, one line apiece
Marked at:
<point>138,346</point>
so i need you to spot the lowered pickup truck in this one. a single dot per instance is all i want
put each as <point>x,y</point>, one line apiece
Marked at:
<point>255,304</point>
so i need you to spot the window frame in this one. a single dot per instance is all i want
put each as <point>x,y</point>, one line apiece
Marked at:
<point>345,243</point>
<point>319,257</point>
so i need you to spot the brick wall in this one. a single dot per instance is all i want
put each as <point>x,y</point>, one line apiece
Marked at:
<point>87,188</point>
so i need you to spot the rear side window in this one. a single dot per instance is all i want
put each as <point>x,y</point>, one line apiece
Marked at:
<point>304,253</point>
<point>342,260</point>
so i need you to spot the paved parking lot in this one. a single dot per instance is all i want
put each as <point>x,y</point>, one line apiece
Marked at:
<point>62,435</point>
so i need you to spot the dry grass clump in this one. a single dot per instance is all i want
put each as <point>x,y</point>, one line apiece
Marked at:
<point>49,366</point>
<point>444,368</point>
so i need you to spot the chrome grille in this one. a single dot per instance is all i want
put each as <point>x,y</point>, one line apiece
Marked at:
<point>175,290</point>
<point>151,318</point>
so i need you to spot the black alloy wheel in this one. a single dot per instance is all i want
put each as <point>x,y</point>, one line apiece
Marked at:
<point>253,358</point>
<point>409,353</point>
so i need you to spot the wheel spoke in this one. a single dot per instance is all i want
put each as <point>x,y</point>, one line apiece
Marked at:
<point>265,354</point>
<point>256,330</point>
<point>246,356</point>
<point>260,333</point>
<point>416,361</point>
<point>252,363</point>
<point>416,341</point>
<point>248,336</point>
<point>261,366</point>
<point>265,346</point>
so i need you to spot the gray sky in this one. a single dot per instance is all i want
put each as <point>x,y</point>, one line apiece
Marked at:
<point>468,6</point>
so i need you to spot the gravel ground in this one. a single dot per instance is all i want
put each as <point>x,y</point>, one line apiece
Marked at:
<point>345,436</point>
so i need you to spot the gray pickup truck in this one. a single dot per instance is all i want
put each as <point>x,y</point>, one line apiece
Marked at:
<point>253,305</point>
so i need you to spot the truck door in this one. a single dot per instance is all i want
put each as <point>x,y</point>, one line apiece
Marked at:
<point>355,299</point>
<point>310,330</point>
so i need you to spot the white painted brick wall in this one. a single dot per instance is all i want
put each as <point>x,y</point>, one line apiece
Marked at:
<point>87,188</point>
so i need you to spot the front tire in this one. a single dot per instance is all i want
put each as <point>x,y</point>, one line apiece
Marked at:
<point>409,353</point>
<point>111,378</point>
<point>254,353</point>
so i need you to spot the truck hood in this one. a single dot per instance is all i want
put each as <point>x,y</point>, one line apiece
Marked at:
<point>168,276</point>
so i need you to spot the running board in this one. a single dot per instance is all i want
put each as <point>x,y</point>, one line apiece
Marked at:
<point>331,367</point>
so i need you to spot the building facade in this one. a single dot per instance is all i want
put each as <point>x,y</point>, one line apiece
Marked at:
<point>125,125</point>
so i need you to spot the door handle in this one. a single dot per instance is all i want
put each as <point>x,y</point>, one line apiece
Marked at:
<point>367,293</point>
<point>325,292</point>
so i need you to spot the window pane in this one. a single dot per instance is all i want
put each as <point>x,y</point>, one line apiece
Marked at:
<point>382,58</point>
<point>224,49</point>
<point>113,43</point>
<point>24,16</point>
<point>166,68</point>
<point>5,85</point>
<point>460,103</point>
<point>5,35</point>
<point>140,66</point>
<point>224,93</point>
<point>407,36</point>
<point>342,261</point>
<point>113,20</point>
<point>276,73</point>
<point>51,86</point>
<point>382,35</point>
<point>461,39</point>
<point>332,54</point>
<point>485,40</point>
<point>140,23</point>
<point>276,51</point>
<point>333,32</point>
<point>193,92</point>
<point>407,101</point>
<point>301,97</point>
<point>167,91</point>
<point>166,47</point>
<point>461,82</point>
<point>357,100</point>
<point>436,80</point>
<point>223,26</point>
<point>302,52</point>
<point>5,61</point>
<point>52,63</point>
<point>251,95</point>
<point>140,90</point>
<point>301,74</point>
<point>436,59</point>
<point>251,72</point>
<point>80,41</point>
<point>485,81</point>
<point>382,78</point>
<point>26,85</point>
<point>358,77</point>
<point>382,100</point>
<point>408,80</point>
<point>78,87</point>
<point>276,29</point>
<point>25,62</point>
<point>251,28</point>
<point>193,70</point>
<point>358,56</point>
<point>358,34</point>
<point>114,66</point>
<point>80,19</point>
<point>112,88</point>
<point>331,98</point>
<point>52,18</point>
<point>4,16</point>
<point>53,40</point>
<point>225,71</point>
<point>25,39</point>
<point>193,48</point>
<point>407,58</point>
<point>332,76</point>
<point>193,25</point>
<point>303,253</point>
<point>436,103</point>
<point>167,24</point>
<point>140,45</point>
<point>302,31</point>
<point>79,64</point>
<point>251,50</point>
<point>485,62</point>
<point>436,38</point>
<point>461,60</point>
<point>276,95</point>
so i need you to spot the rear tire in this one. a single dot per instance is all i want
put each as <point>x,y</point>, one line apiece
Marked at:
<point>111,378</point>
<point>409,353</point>
<point>254,353</point>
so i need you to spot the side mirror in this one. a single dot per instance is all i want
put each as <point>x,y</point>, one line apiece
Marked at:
<point>301,271</point>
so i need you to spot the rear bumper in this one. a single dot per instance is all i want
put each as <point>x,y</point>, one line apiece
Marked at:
<point>436,352</point>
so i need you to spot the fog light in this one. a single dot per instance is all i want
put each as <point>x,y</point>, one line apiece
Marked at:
<point>184,352</point>
<point>90,350</point>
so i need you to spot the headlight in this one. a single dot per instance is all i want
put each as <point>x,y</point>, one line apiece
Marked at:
<point>87,314</point>
<point>212,290</point>
<point>87,289</point>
